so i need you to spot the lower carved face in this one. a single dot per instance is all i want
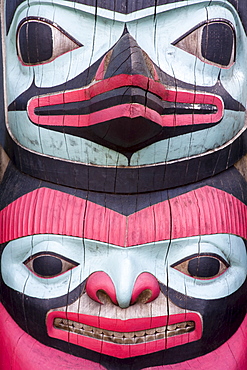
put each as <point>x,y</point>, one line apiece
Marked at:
<point>185,297</point>
<point>123,281</point>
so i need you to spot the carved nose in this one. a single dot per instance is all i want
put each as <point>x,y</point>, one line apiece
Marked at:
<point>127,57</point>
<point>146,289</point>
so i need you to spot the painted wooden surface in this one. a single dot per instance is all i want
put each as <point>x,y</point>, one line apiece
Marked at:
<point>123,205</point>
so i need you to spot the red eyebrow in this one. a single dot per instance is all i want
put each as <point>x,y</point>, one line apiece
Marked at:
<point>203,211</point>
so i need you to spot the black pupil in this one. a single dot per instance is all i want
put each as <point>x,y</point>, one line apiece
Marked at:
<point>203,267</point>
<point>35,42</point>
<point>217,43</point>
<point>47,266</point>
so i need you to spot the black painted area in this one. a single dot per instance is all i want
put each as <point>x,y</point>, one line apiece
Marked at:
<point>217,43</point>
<point>124,135</point>
<point>129,180</point>
<point>229,181</point>
<point>47,266</point>
<point>203,267</point>
<point>35,42</point>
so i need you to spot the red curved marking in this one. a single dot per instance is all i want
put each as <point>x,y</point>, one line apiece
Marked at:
<point>126,350</point>
<point>99,280</point>
<point>203,211</point>
<point>143,282</point>
<point>125,110</point>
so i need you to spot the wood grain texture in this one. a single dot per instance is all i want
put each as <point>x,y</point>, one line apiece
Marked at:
<point>123,206</point>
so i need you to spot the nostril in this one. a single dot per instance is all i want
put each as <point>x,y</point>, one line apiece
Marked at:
<point>144,297</point>
<point>100,288</point>
<point>146,289</point>
<point>104,297</point>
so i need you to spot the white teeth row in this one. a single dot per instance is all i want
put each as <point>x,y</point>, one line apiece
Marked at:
<point>133,337</point>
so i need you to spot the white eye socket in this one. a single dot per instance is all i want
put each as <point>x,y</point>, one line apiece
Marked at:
<point>41,41</point>
<point>202,266</point>
<point>48,265</point>
<point>213,42</point>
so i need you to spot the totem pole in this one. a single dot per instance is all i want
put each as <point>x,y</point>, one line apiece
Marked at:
<point>123,195</point>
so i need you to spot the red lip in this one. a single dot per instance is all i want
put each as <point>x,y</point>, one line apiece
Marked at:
<point>125,326</point>
<point>125,110</point>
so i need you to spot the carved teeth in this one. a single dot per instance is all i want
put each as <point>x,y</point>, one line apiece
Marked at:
<point>134,337</point>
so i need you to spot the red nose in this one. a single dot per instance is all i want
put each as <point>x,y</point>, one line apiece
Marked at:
<point>145,283</point>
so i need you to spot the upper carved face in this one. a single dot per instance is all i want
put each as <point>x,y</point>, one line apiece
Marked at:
<point>104,88</point>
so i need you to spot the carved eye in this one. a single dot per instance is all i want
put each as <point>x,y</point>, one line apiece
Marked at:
<point>48,265</point>
<point>213,42</point>
<point>40,41</point>
<point>202,266</point>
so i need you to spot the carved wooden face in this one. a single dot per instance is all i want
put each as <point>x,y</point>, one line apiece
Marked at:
<point>155,280</point>
<point>128,88</point>
<point>101,268</point>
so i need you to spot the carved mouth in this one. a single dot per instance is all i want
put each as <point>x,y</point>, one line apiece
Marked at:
<point>124,338</point>
<point>129,96</point>
<point>134,337</point>
<point>126,112</point>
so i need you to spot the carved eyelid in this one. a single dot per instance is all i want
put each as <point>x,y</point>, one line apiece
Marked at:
<point>62,41</point>
<point>183,264</point>
<point>191,42</point>
<point>203,23</point>
<point>65,264</point>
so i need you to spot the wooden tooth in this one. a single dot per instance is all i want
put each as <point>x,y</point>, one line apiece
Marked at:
<point>140,333</point>
<point>160,335</point>
<point>151,331</point>
<point>149,338</point>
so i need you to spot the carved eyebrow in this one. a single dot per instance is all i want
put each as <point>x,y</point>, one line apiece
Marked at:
<point>117,5</point>
<point>123,6</point>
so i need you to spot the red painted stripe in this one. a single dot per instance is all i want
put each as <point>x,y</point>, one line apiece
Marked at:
<point>203,211</point>
<point>125,110</point>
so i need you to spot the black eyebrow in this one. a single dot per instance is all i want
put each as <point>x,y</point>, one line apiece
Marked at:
<point>125,7</point>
